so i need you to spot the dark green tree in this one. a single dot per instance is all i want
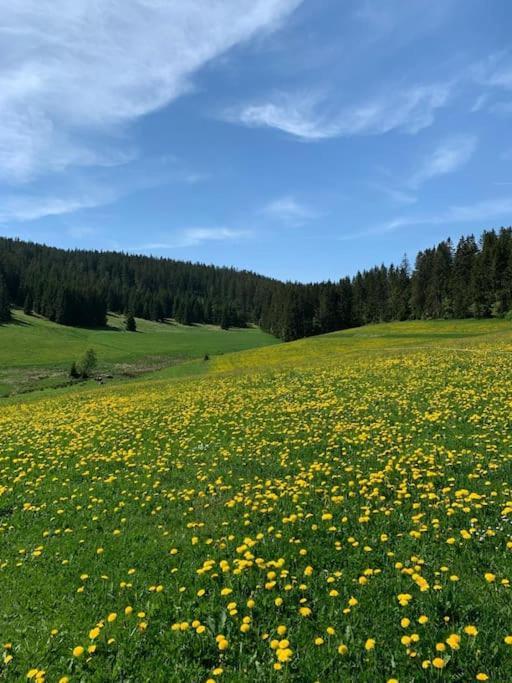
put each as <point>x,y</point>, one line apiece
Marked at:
<point>87,363</point>
<point>28,305</point>
<point>130,324</point>
<point>226,319</point>
<point>463,277</point>
<point>5,303</point>
<point>73,372</point>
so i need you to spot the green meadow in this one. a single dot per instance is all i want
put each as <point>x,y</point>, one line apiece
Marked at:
<point>333,509</point>
<point>37,354</point>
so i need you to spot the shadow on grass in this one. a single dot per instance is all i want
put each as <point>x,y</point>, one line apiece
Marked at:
<point>16,323</point>
<point>93,328</point>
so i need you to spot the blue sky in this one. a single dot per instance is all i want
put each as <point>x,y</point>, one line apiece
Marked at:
<point>300,139</point>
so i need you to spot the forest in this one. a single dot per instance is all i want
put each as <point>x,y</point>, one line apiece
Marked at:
<point>472,278</point>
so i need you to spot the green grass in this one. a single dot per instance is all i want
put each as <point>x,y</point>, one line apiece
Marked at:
<point>363,477</point>
<point>36,353</point>
<point>370,340</point>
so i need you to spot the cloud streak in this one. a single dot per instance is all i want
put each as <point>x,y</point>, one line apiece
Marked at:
<point>407,110</point>
<point>485,210</point>
<point>34,207</point>
<point>448,157</point>
<point>495,71</point>
<point>74,74</point>
<point>289,210</point>
<point>192,237</point>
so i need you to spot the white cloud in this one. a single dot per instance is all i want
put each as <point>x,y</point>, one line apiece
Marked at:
<point>34,207</point>
<point>397,195</point>
<point>295,115</point>
<point>488,209</point>
<point>495,71</point>
<point>449,156</point>
<point>192,237</point>
<point>480,102</point>
<point>288,210</point>
<point>409,109</point>
<point>496,209</point>
<point>73,72</point>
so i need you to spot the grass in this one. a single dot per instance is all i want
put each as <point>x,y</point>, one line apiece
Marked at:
<point>336,509</point>
<point>37,354</point>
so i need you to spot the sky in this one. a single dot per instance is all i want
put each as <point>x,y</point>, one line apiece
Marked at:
<point>301,139</point>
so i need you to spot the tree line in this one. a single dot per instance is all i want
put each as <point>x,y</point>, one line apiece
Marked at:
<point>470,279</point>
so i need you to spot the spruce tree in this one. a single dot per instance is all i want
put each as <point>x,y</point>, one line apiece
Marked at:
<point>130,324</point>
<point>28,305</point>
<point>225,319</point>
<point>5,304</point>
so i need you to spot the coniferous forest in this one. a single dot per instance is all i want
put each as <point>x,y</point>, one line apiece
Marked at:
<point>472,278</point>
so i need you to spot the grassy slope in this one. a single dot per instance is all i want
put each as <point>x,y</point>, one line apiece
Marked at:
<point>358,454</point>
<point>375,339</point>
<point>37,353</point>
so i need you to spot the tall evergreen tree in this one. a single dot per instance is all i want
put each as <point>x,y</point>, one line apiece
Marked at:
<point>5,304</point>
<point>27,305</point>
<point>463,277</point>
<point>130,324</point>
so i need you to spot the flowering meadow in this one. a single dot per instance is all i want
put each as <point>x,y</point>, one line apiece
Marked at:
<point>338,509</point>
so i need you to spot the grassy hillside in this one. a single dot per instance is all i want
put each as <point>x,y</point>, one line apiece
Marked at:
<point>36,353</point>
<point>336,509</point>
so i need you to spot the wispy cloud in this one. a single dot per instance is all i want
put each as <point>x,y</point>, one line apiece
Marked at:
<point>79,194</point>
<point>397,195</point>
<point>449,156</point>
<point>191,237</point>
<point>495,71</point>
<point>488,209</point>
<point>496,209</point>
<point>494,75</point>
<point>307,116</point>
<point>480,102</point>
<point>33,207</point>
<point>289,210</point>
<point>73,74</point>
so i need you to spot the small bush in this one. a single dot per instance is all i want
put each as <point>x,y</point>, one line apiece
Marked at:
<point>87,363</point>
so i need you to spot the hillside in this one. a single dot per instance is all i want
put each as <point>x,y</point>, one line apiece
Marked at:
<point>36,353</point>
<point>470,279</point>
<point>332,509</point>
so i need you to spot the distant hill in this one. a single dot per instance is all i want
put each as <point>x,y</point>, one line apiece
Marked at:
<point>471,279</point>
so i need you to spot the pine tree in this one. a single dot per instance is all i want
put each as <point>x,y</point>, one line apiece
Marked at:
<point>226,318</point>
<point>5,304</point>
<point>293,317</point>
<point>130,324</point>
<point>464,264</point>
<point>28,305</point>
